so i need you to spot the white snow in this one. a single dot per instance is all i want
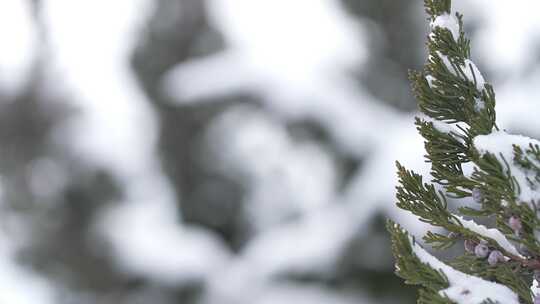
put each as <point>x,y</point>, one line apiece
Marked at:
<point>430,80</point>
<point>91,60</point>
<point>446,61</point>
<point>469,69</point>
<point>473,74</point>
<point>269,55</point>
<point>148,241</point>
<point>318,91</point>
<point>21,286</point>
<point>116,128</point>
<point>312,244</point>
<point>464,288</point>
<point>444,127</point>
<point>285,178</point>
<point>490,233</point>
<point>18,284</point>
<point>535,289</point>
<point>479,105</point>
<point>19,43</point>
<point>441,126</point>
<point>501,143</point>
<point>449,22</point>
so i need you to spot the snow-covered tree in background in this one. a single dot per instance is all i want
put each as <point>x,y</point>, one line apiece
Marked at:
<point>470,158</point>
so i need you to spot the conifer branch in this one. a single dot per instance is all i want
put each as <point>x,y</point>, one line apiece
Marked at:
<point>459,128</point>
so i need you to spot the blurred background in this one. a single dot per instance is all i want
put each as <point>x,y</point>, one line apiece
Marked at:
<point>222,151</point>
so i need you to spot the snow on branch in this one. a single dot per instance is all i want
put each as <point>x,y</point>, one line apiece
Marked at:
<point>521,156</point>
<point>442,283</point>
<point>467,71</point>
<point>490,233</point>
<point>464,288</point>
<point>447,21</point>
<point>461,134</point>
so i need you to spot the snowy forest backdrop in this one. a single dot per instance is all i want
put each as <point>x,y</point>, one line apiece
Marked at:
<point>222,151</point>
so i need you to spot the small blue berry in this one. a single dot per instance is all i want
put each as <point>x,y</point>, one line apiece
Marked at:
<point>481,250</point>
<point>495,257</point>
<point>469,246</point>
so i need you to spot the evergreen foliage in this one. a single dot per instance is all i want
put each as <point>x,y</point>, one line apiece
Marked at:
<point>470,159</point>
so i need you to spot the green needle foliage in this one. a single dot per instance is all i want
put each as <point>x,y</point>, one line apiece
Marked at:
<point>459,112</point>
